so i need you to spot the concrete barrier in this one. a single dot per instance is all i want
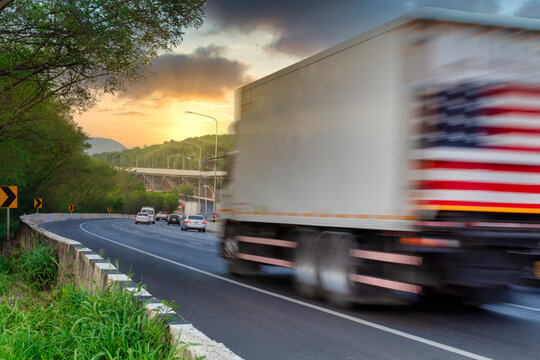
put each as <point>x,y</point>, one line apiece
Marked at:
<point>85,268</point>
<point>38,219</point>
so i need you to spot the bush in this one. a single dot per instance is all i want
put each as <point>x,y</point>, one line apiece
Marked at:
<point>76,324</point>
<point>6,264</point>
<point>38,267</point>
<point>13,225</point>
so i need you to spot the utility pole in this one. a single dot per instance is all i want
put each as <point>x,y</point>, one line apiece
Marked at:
<point>215,155</point>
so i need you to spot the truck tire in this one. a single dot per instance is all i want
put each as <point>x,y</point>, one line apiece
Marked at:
<point>235,265</point>
<point>335,267</point>
<point>307,257</point>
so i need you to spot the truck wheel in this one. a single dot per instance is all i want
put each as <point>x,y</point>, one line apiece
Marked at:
<point>335,267</point>
<point>235,265</point>
<point>306,272</point>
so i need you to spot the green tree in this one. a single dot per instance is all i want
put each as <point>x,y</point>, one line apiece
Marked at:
<point>70,50</point>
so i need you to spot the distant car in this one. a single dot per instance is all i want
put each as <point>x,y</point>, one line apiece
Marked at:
<point>151,212</point>
<point>195,222</point>
<point>142,218</point>
<point>162,215</point>
<point>173,219</point>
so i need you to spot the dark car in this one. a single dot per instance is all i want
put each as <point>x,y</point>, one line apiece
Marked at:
<point>173,219</point>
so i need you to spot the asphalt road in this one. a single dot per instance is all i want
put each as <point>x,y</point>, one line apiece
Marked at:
<point>261,317</point>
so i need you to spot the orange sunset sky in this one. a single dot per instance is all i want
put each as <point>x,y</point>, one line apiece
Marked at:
<point>240,41</point>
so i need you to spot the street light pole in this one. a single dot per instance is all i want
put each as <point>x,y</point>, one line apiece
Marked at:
<point>200,160</point>
<point>215,156</point>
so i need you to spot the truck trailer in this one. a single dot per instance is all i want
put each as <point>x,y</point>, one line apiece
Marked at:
<point>400,164</point>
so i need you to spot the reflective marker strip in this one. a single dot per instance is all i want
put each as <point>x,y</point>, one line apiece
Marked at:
<point>427,242</point>
<point>439,223</point>
<point>394,285</point>
<point>264,241</point>
<point>335,216</point>
<point>138,292</point>
<point>266,260</point>
<point>387,257</point>
<point>504,225</point>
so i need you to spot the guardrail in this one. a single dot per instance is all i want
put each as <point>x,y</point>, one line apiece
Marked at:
<point>84,267</point>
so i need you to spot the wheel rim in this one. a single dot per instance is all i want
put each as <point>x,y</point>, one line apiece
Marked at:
<point>306,260</point>
<point>231,247</point>
<point>336,264</point>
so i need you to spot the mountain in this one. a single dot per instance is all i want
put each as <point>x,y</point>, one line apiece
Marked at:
<point>99,145</point>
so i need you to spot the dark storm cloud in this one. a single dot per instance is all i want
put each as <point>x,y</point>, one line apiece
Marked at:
<point>529,8</point>
<point>204,74</point>
<point>303,27</point>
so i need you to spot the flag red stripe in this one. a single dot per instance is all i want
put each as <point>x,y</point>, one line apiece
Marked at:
<point>513,148</point>
<point>496,130</point>
<point>463,165</point>
<point>511,89</point>
<point>478,186</point>
<point>478,203</point>
<point>488,111</point>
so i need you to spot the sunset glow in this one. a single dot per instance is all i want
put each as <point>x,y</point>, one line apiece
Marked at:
<point>237,44</point>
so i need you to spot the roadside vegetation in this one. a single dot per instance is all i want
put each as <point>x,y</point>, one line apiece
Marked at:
<point>40,320</point>
<point>56,58</point>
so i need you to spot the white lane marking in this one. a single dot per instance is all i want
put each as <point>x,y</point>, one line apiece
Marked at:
<point>194,243</point>
<point>302,303</point>
<point>523,307</point>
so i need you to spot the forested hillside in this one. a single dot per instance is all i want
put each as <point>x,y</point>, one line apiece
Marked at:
<point>174,154</point>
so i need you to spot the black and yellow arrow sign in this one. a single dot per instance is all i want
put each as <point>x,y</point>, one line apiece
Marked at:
<point>8,197</point>
<point>38,203</point>
<point>71,207</point>
<point>109,209</point>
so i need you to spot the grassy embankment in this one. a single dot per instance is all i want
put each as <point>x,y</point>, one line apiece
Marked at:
<point>42,320</point>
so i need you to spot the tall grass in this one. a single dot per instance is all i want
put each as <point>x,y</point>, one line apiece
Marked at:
<point>38,267</point>
<point>70,323</point>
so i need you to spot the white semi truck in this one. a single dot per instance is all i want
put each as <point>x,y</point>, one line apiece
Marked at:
<point>405,161</point>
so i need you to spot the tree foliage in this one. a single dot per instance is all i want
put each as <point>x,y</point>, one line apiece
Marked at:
<point>72,49</point>
<point>55,57</point>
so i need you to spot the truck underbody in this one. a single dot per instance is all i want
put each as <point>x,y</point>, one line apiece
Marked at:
<point>474,258</point>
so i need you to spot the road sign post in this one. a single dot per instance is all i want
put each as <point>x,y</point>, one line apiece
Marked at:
<point>38,204</point>
<point>8,199</point>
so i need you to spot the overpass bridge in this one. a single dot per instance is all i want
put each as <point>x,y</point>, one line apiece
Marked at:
<point>156,179</point>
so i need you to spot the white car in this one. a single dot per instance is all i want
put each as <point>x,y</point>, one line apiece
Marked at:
<point>195,222</point>
<point>151,212</point>
<point>142,218</point>
<point>162,215</point>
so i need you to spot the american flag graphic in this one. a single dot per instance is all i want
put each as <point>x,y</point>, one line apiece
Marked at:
<point>480,149</point>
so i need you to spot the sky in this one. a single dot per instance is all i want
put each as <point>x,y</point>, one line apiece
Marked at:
<point>241,41</point>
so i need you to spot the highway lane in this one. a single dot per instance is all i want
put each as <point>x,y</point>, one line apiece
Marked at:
<point>275,323</point>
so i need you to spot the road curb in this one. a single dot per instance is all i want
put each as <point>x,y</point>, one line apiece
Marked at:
<point>84,267</point>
